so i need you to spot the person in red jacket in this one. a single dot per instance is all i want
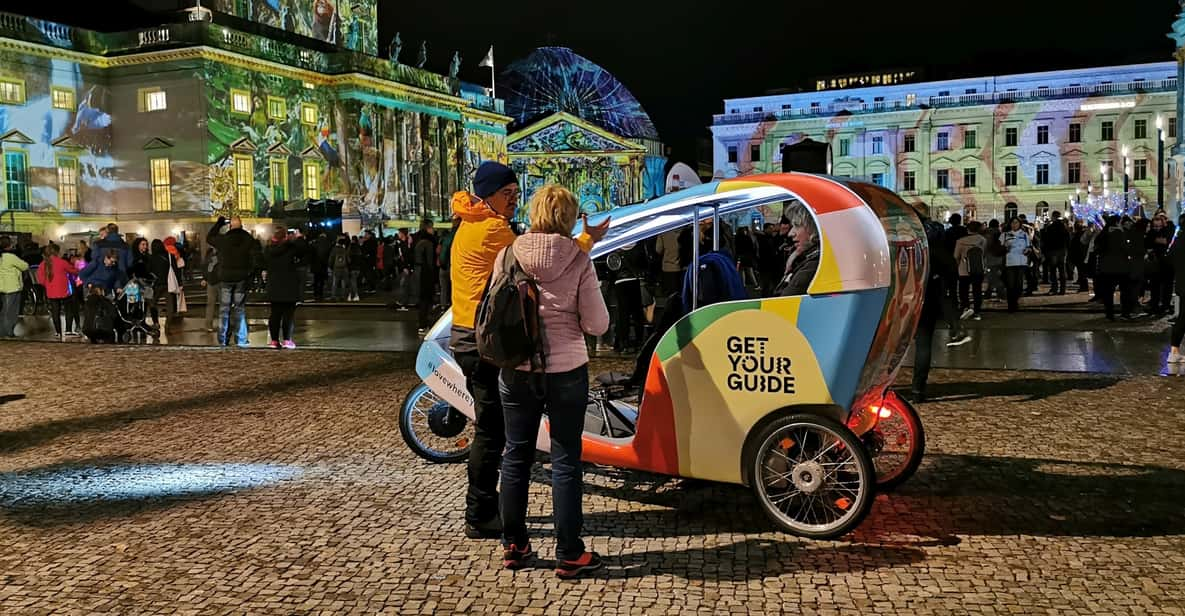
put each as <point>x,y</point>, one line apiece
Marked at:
<point>54,274</point>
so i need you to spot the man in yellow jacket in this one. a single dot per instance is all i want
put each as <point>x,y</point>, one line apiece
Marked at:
<point>483,232</point>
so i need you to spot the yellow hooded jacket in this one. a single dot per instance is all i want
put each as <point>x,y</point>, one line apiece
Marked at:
<point>482,234</point>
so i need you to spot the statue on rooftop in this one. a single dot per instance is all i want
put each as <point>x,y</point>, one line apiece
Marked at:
<point>454,68</point>
<point>423,59</point>
<point>1178,34</point>
<point>395,48</point>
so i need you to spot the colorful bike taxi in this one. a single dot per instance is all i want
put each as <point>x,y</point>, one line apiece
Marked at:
<point>787,395</point>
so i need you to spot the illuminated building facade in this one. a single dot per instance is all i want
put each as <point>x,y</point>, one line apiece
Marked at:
<point>231,111</point>
<point>984,147</point>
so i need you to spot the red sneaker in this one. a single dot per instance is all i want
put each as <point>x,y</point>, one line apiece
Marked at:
<point>273,345</point>
<point>568,569</point>
<point>514,558</point>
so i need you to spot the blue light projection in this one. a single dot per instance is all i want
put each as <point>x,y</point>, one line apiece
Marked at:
<point>553,79</point>
<point>82,483</point>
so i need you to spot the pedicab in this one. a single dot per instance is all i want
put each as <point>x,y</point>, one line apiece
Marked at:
<point>789,396</point>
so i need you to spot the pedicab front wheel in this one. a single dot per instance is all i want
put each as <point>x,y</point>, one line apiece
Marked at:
<point>432,429</point>
<point>812,475</point>
<point>897,443</point>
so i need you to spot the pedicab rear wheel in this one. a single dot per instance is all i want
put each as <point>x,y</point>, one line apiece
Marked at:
<point>812,476</point>
<point>432,429</point>
<point>897,443</point>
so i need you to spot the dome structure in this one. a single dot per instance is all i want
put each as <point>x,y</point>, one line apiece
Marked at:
<point>556,79</point>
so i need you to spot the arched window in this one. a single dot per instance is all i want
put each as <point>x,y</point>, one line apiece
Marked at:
<point>1010,211</point>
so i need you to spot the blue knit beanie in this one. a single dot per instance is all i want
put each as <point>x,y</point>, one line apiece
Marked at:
<point>491,177</point>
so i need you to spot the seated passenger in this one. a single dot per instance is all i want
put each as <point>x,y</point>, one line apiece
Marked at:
<point>804,261</point>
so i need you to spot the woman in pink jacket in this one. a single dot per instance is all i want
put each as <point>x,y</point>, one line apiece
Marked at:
<point>570,306</point>
<point>54,274</point>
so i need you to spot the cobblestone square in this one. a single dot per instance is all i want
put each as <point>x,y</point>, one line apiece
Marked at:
<point>180,481</point>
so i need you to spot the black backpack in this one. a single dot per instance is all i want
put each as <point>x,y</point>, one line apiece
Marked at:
<point>974,261</point>
<point>509,331</point>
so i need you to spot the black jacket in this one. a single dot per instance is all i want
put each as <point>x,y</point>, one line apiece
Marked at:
<point>802,272</point>
<point>323,245</point>
<point>1055,237</point>
<point>282,261</point>
<point>1113,251</point>
<point>424,253</point>
<point>238,253</point>
<point>1176,257</point>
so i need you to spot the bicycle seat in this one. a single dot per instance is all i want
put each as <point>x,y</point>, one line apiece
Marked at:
<point>611,379</point>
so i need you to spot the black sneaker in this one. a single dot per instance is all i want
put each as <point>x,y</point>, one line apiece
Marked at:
<point>514,558</point>
<point>486,530</point>
<point>568,569</point>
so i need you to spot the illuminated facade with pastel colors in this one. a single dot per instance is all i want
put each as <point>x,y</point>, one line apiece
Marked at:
<point>979,146</point>
<point>162,129</point>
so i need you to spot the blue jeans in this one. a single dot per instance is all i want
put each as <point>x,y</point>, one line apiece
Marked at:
<point>564,400</point>
<point>233,312</point>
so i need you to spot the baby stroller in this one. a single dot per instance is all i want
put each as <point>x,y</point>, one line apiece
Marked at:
<point>134,308</point>
<point>101,320</point>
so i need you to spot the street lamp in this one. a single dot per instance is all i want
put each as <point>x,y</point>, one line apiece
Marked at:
<point>1159,161</point>
<point>1126,205</point>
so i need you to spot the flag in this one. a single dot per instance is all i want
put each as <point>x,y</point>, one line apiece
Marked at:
<point>489,59</point>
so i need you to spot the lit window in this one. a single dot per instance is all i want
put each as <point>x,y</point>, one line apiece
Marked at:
<point>878,145</point>
<point>12,91</point>
<point>970,138</point>
<point>16,180</point>
<point>162,185</point>
<point>1074,172</point>
<point>1010,175</point>
<point>909,181</point>
<point>1140,169</point>
<point>277,109</point>
<point>1043,135</point>
<point>240,101</point>
<point>969,177</point>
<point>63,98</point>
<point>279,180</point>
<point>67,184</point>
<point>312,181</point>
<point>245,182</point>
<point>1043,173</point>
<point>910,99</point>
<point>152,99</point>
<point>942,179</point>
<point>308,114</point>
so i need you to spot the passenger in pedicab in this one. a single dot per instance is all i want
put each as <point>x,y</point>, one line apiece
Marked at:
<point>803,262</point>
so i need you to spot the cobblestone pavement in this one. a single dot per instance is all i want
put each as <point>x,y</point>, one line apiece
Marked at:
<point>207,481</point>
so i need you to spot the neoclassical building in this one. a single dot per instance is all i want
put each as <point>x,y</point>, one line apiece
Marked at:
<point>985,147</point>
<point>234,110</point>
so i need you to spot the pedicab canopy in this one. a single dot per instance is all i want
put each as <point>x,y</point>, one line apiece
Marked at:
<point>725,367</point>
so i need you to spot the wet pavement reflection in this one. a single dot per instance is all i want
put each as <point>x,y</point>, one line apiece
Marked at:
<point>1065,342</point>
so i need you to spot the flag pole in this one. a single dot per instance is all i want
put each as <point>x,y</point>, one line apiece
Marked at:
<point>493,78</point>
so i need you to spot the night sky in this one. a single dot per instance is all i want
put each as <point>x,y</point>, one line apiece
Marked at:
<point>681,59</point>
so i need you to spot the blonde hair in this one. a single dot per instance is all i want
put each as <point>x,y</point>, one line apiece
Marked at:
<point>553,209</point>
